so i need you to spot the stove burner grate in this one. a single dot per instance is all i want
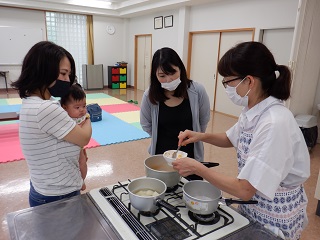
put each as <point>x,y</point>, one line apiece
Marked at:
<point>149,214</point>
<point>208,219</point>
<point>140,231</point>
<point>168,228</point>
<point>157,229</point>
<point>172,189</point>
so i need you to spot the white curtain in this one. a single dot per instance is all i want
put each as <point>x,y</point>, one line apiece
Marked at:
<point>70,32</point>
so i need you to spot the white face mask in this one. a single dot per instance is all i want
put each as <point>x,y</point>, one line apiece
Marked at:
<point>235,97</point>
<point>171,86</point>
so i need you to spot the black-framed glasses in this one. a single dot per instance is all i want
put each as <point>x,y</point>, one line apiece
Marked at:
<point>225,83</point>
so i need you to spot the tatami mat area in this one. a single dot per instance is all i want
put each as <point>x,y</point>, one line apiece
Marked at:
<point>118,162</point>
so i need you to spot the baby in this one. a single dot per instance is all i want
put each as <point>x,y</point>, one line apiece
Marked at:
<point>75,105</point>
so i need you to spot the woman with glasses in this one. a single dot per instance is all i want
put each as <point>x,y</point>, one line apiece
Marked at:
<point>273,159</point>
<point>173,103</point>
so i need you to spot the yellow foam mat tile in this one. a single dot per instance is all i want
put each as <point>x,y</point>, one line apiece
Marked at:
<point>105,101</point>
<point>13,101</point>
<point>129,117</point>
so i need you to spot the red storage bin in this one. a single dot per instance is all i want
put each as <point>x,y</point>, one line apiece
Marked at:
<point>115,71</point>
<point>115,78</point>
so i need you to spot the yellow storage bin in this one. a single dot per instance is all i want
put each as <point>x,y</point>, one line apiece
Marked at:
<point>123,85</point>
<point>123,70</point>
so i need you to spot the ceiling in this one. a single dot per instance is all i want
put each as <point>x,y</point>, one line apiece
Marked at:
<point>116,8</point>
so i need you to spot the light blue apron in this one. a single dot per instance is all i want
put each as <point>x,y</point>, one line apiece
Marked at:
<point>287,211</point>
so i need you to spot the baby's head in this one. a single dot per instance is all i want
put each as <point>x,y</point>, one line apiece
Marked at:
<point>75,101</point>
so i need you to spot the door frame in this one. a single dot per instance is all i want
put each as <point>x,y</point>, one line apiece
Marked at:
<point>136,56</point>
<point>218,56</point>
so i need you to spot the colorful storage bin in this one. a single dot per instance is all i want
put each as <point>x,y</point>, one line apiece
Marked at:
<point>115,78</point>
<point>123,70</point>
<point>115,71</point>
<point>115,85</point>
<point>123,78</point>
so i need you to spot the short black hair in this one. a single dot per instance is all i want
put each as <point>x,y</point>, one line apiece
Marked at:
<point>75,93</point>
<point>40,68</point>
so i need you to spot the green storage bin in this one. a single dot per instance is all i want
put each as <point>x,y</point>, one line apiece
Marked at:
<point>115,85</point>
<point>123,78</point>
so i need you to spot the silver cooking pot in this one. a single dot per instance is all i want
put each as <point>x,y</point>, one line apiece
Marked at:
<point>157,167</point>
<point>148,203</point>
<point>203,198</point>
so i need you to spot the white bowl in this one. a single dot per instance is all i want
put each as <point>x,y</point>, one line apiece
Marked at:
<point>167,156</point>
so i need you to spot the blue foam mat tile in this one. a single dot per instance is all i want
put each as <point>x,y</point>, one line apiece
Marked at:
<point>111,130</point>
<point>10,108</point>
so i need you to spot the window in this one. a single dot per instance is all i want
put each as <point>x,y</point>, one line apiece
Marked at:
<point>70,32</point>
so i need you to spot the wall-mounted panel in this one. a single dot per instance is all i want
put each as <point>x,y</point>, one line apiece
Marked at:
<point>16,42</point>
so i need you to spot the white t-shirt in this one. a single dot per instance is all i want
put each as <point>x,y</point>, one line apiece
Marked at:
<point>278,154</point>
<point>53,163</point>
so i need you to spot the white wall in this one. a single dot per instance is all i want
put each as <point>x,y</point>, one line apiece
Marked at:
<point>228,14</point>
<point>258,14</point>
<point>108,49</point>
<point>306,60</point>
<point>165,37</point>
<point>14,17</point>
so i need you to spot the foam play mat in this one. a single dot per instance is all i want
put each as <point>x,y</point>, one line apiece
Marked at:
<point>120,123</point>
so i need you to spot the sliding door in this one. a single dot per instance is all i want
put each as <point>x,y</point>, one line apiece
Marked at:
<point>205,48</point>
<point>143,62</point>
<point>204,55</point>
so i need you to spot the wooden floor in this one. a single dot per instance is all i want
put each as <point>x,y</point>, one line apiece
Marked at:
<point>118,162</point>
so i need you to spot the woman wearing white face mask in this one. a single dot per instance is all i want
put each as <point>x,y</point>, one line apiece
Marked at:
<point>234,96</point>
<point>173,103</point>
<point>273,159</point>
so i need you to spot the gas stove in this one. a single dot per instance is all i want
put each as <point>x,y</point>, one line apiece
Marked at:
<point>114,205</point>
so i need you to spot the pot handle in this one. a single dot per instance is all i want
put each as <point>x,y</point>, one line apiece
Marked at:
<point>193,177</point>
<point>230,201</point>
<point>160,202</point>
<point>210,164</point>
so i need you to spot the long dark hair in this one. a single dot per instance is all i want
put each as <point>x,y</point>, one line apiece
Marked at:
<point>164,59</point>
<point>254,58</point>
<point>40,68</point>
